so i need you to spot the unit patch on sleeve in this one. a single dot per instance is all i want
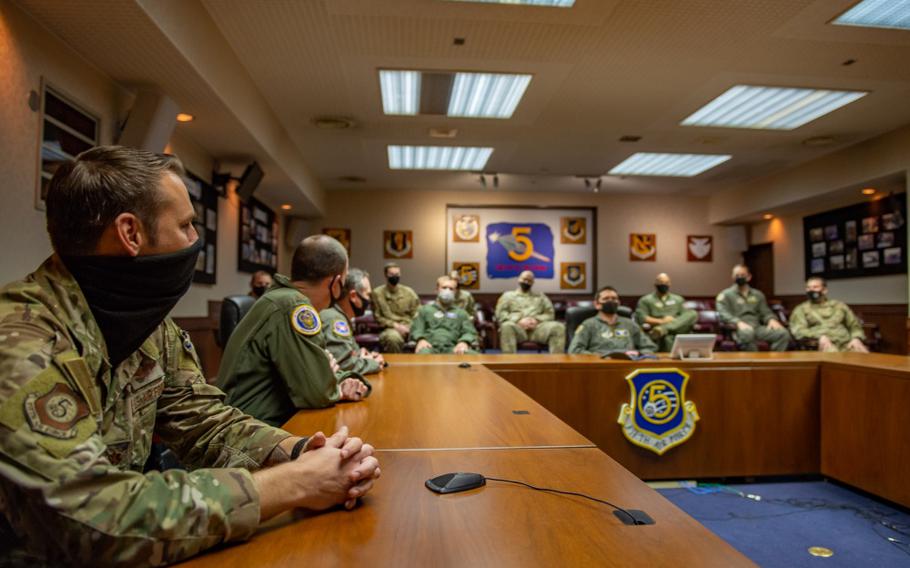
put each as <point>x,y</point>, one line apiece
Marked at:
<point>341,328</point>
<point>56,412</point>
<point>305,320</point>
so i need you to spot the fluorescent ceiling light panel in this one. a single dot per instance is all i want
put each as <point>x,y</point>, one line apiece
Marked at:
<point>486,95</point>
<point>894,14</point>
<point>552,3</point>
<point>678,165</point>
<point>400,91</point>
<point>438,158</point>
<point>770,108</point>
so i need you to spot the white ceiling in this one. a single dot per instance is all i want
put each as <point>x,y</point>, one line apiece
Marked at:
<point>603,69</point>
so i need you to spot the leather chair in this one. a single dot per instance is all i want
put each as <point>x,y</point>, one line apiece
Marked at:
<point>233,308</point>
<point>366,331</point>
<point>486,329</point>
<point>577,314</point>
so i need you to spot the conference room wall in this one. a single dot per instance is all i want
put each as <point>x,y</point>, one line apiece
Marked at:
<point>368,213</point>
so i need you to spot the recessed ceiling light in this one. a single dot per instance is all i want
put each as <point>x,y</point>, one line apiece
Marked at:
<point>470,95</point>
<point>819,141</point>
<point>679,165</point>
<point>767,216</point>
<point>334,122</point>
<point>869,191</point>
<point>549,3</point>
<point>771,108</point>
<point>286,207</point>
<point>438,157</point>
<point>184,117</point>
<point>443,132</point>
<point>400,91</point>
<point>486,95</point>
<point>893,14</point>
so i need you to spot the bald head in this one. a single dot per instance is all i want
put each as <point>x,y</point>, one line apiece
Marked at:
<point>318,257</point>
<point>662,278</point>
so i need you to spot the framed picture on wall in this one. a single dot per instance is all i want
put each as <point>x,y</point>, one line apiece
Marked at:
<point>257,242</point>
<point>204,198</point>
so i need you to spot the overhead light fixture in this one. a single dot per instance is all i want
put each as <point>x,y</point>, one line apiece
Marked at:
<point>496,181</point>
<point>483,181</point>
<point>891,14</point>
<point>869,191</point>
<point>400,91</point>
<point>767,216</point>
<point>597,185</point>
<point>286,207</point>
<point>438,157</point>
<point>678,165</point>
<point>547,3</point>
<point>486,95</point>
<point>770,108</point>
<point>184,117</point>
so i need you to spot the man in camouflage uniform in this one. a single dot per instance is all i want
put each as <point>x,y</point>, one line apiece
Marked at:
<point>664,312</point>
<point>830,322</point>
<point>275,362</point>
<point>84,387</point>
<point>394,307</point>
<point>463,298</point>
<point>442,327</point>
<point>337,329</point>
<point>608,332</point>
<point>524,314</point>
<point>747,308</point>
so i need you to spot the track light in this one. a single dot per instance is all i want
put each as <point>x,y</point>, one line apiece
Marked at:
<point>483,181</point>
<point>587,183</point>
<point>597,185</point>
<point>496,180</point>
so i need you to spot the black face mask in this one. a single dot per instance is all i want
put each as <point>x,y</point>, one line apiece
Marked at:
<point>814,296</point>
<point>741,281</point>
<point>610,307</point>
<point>662,288</point>
<point>131,295</point>
<point>393,280</point>
<point>258,291</point>
<point>364,306</point>
<point>525,286</point>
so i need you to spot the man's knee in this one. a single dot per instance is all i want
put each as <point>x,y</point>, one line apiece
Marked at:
<point>391,340</point>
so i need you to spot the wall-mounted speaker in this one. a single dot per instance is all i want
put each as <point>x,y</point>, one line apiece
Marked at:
<point>249,181</point>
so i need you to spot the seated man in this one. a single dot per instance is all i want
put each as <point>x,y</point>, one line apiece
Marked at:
<point>92,368</point>
<point>260,282</point>
<point>664,312</point>
<point>608,332</point>
<point>441,326</point>
<point>394,306</point>
<point>524,314</point>
<point>830,322</point>
<point>337,329</point>
<point>463,298</point>
<point>748,309</point>
<point>275,361</point>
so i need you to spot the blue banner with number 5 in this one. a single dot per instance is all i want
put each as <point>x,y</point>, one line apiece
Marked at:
<point>515,247</point>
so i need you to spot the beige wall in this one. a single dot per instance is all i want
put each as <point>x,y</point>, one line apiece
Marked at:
<point>368,213</point>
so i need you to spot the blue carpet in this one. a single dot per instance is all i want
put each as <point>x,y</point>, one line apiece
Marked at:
<point>791,517</point>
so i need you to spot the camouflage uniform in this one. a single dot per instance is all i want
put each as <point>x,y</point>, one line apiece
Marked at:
<point>75,435</point>
<point>671,304</point>
<point>733,307</point>
<point>391,307</point>
<point>465,301</point>
<point>830,318</point>
<point>275,361</point>
<point>443,328</point>
<point>339,340</point>
<point>595,335</point>
<point>515,305</point>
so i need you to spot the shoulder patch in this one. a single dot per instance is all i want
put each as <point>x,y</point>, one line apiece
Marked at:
<point>56,412</point>
<point>341,328</point>
<point>720,297</point>
<point>305,320</point>
<point>580,327</point>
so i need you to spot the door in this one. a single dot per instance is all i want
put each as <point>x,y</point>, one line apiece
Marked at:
<point>760,260</point>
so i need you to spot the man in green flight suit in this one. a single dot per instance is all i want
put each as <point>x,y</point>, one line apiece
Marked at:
<point>92,368</point>
<point>608,332</point>
<point>524,314</point>
<point>664,312</point>
<point>394,307</point>
<point>442,327</point>
<point>829,321</point>
<point>275,362</point>
<point>747,308</point>
<point>337,328</point>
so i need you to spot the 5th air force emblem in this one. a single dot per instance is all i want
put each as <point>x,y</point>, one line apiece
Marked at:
<point>658,416</point>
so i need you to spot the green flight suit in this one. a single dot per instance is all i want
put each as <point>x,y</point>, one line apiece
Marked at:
<point>465,301</point>
<point>595,335</point>
<point>655,306</point>
<point>830,318</point>
<point>515,305</point>
<point>444,328</point>
<point>75,436</point>
<point>751,308</point>
<point>275,361</point>
<point>339,340</point>
<point>390,307</point>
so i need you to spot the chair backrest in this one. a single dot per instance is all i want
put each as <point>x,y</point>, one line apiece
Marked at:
<point>574,316</point>
<point>233,308</point>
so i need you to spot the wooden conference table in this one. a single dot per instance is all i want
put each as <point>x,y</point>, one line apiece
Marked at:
<point>548,420</point>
